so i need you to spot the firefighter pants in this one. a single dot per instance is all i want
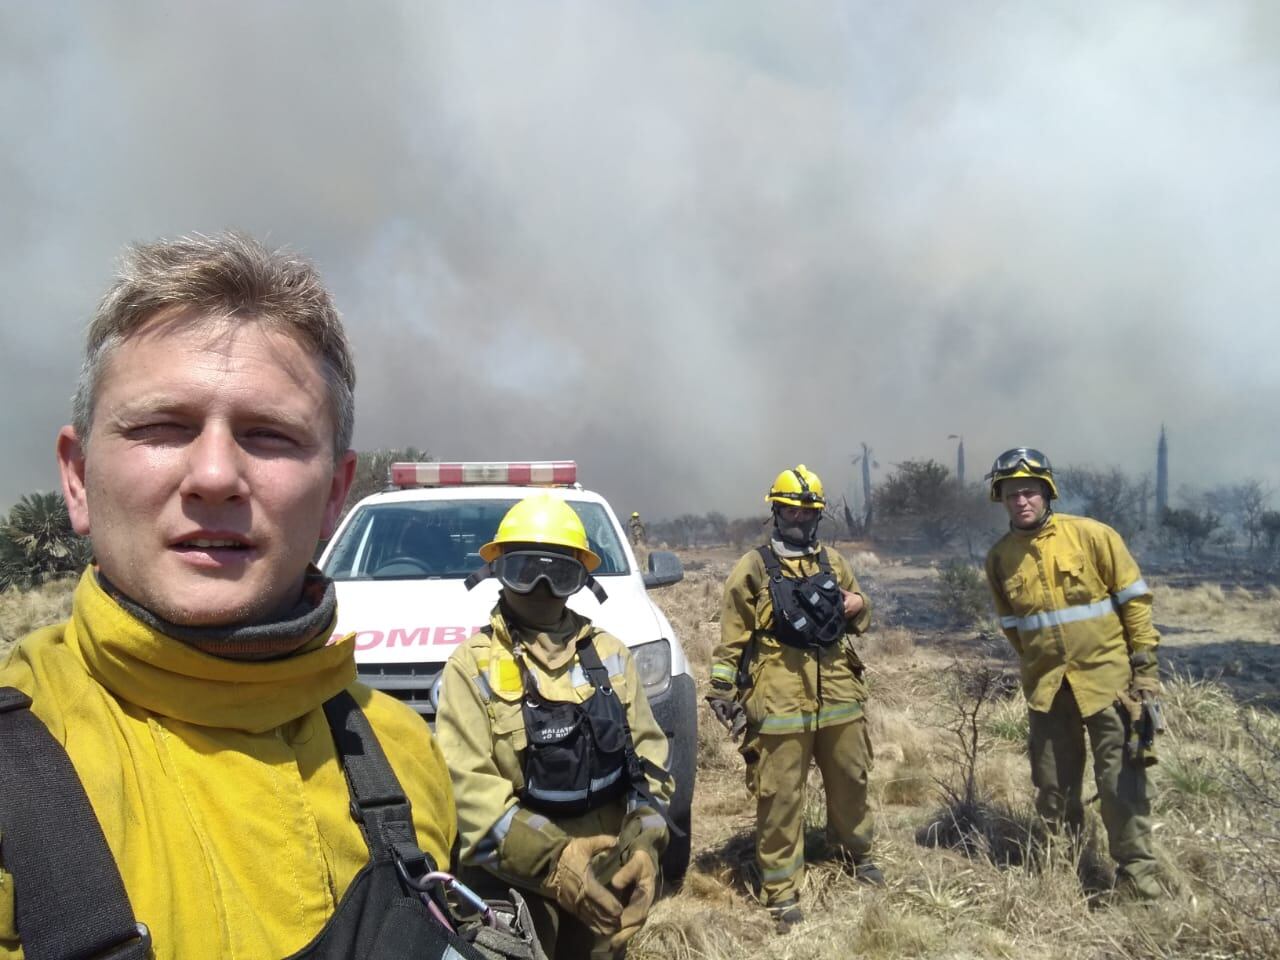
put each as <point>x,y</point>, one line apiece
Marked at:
<point>1057,770</point>
<point>777,767</point>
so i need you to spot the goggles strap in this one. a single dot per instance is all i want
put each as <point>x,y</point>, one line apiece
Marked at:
<point>594,586</point>
<point>484,573</point>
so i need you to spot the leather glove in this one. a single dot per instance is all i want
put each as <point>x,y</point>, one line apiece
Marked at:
<point>643,829</point>
<point>576,888</point>
<point>1144,688</point>
<point>636,883</point>
<point>726,707</point>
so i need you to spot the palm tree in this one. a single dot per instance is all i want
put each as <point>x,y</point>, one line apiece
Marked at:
<point>39,543</point>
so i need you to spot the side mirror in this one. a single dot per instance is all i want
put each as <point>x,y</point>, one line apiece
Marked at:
<point>665,569</point>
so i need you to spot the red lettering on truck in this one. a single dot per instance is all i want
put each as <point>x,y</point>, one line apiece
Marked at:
<point>452,636</point>
<point>401,637</point>
<point>409,637</point>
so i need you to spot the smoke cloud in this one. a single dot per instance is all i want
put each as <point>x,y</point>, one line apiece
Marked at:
<point>687,245</point>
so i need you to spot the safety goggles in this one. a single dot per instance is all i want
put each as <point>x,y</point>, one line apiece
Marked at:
<point>521,570</point>
<point>1031,459</point>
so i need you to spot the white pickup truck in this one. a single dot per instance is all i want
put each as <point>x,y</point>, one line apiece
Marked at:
<point>399,560</point>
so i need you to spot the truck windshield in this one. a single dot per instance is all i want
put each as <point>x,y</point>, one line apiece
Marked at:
<point>442,539</point>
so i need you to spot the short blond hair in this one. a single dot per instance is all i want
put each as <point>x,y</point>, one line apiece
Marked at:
<point>229,276</point>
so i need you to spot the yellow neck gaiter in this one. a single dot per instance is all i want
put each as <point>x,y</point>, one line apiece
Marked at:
<point>141,665</point>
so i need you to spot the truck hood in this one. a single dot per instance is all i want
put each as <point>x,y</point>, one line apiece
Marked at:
<point>423,621</point>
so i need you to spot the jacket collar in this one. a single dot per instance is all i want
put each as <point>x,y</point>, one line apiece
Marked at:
<point>784,551</point>
<point>552,649</point>
<point>1046,529</point>
<point>137,662</point>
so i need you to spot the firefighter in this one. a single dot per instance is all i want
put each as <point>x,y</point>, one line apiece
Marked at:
<point>558,764</point>
<point>786,674</point>
<point>636,526</point>
<point>175,758</point>
<point>1073,604</point>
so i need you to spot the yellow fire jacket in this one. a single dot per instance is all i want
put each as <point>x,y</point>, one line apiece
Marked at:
<point>216,782</point>
<point>1073,603</point>
<point>482,734</point>
<point>790,689</point>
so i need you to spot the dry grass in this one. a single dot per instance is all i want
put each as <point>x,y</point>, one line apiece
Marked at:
<point>22,611</point>
<point>1014,896</point>
<point>1235,612</point>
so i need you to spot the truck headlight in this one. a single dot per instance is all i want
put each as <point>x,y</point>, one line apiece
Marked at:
<point>437,690</point>
<point>653,663</point>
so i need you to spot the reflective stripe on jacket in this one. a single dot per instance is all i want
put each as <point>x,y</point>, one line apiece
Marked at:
<point>790,689</point>
<point>1073,604</point>
<point>217,783</point>
<point>481,731</point>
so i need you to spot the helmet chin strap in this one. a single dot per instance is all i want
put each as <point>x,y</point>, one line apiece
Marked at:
<point>1039,524</point>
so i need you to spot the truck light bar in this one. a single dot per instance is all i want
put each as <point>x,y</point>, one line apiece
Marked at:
<point>534,472</point>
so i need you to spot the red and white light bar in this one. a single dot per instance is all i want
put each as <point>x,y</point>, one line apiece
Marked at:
<point>544,472</point>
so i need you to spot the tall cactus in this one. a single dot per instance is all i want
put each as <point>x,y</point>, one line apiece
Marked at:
<point>1162,476</point>
<point>867,463</point>
<point>959,458</point>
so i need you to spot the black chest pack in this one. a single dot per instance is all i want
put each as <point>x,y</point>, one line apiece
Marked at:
<point>580,756</point>
<point>808,612</point>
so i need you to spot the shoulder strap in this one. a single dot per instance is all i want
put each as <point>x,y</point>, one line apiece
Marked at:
<point>824,562</point>
<point>378,802</point>
<point>69,898</point>
<point>597,673</point>
<point>772,565</point>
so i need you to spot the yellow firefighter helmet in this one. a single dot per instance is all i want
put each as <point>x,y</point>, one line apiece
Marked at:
<point>797,487</point>
<point>1018,463</point>
<point>542,519</point>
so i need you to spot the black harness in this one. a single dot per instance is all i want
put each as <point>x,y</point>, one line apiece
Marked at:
<point>808,612</point>
<point>70,902</point>
<point>580,756</point>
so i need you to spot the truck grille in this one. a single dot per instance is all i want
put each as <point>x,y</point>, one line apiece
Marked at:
<point>408,682</point>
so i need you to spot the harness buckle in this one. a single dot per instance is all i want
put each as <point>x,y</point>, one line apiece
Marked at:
<point>139,945</point>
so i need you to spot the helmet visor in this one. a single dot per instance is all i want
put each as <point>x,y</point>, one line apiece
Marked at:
<point>1029,458</point>
<point>520,571</point>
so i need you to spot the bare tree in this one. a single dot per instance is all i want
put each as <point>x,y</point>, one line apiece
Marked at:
<point>923,494</point>
<point>1108,495</point>
<point>373,470</point>
<point>716,525</point>
<point>1190,528</point>
<point>1243,504</point>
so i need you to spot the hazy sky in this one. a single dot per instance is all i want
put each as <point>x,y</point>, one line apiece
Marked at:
<point>687,244</point>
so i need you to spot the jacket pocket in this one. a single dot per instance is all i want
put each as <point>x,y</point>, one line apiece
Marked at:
<point>509,740</point>
<point>1075,582</point>
<point>1017,592</point>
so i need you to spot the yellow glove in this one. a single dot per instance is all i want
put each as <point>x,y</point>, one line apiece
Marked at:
<point>640,875</point>
<point>577,890</point>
